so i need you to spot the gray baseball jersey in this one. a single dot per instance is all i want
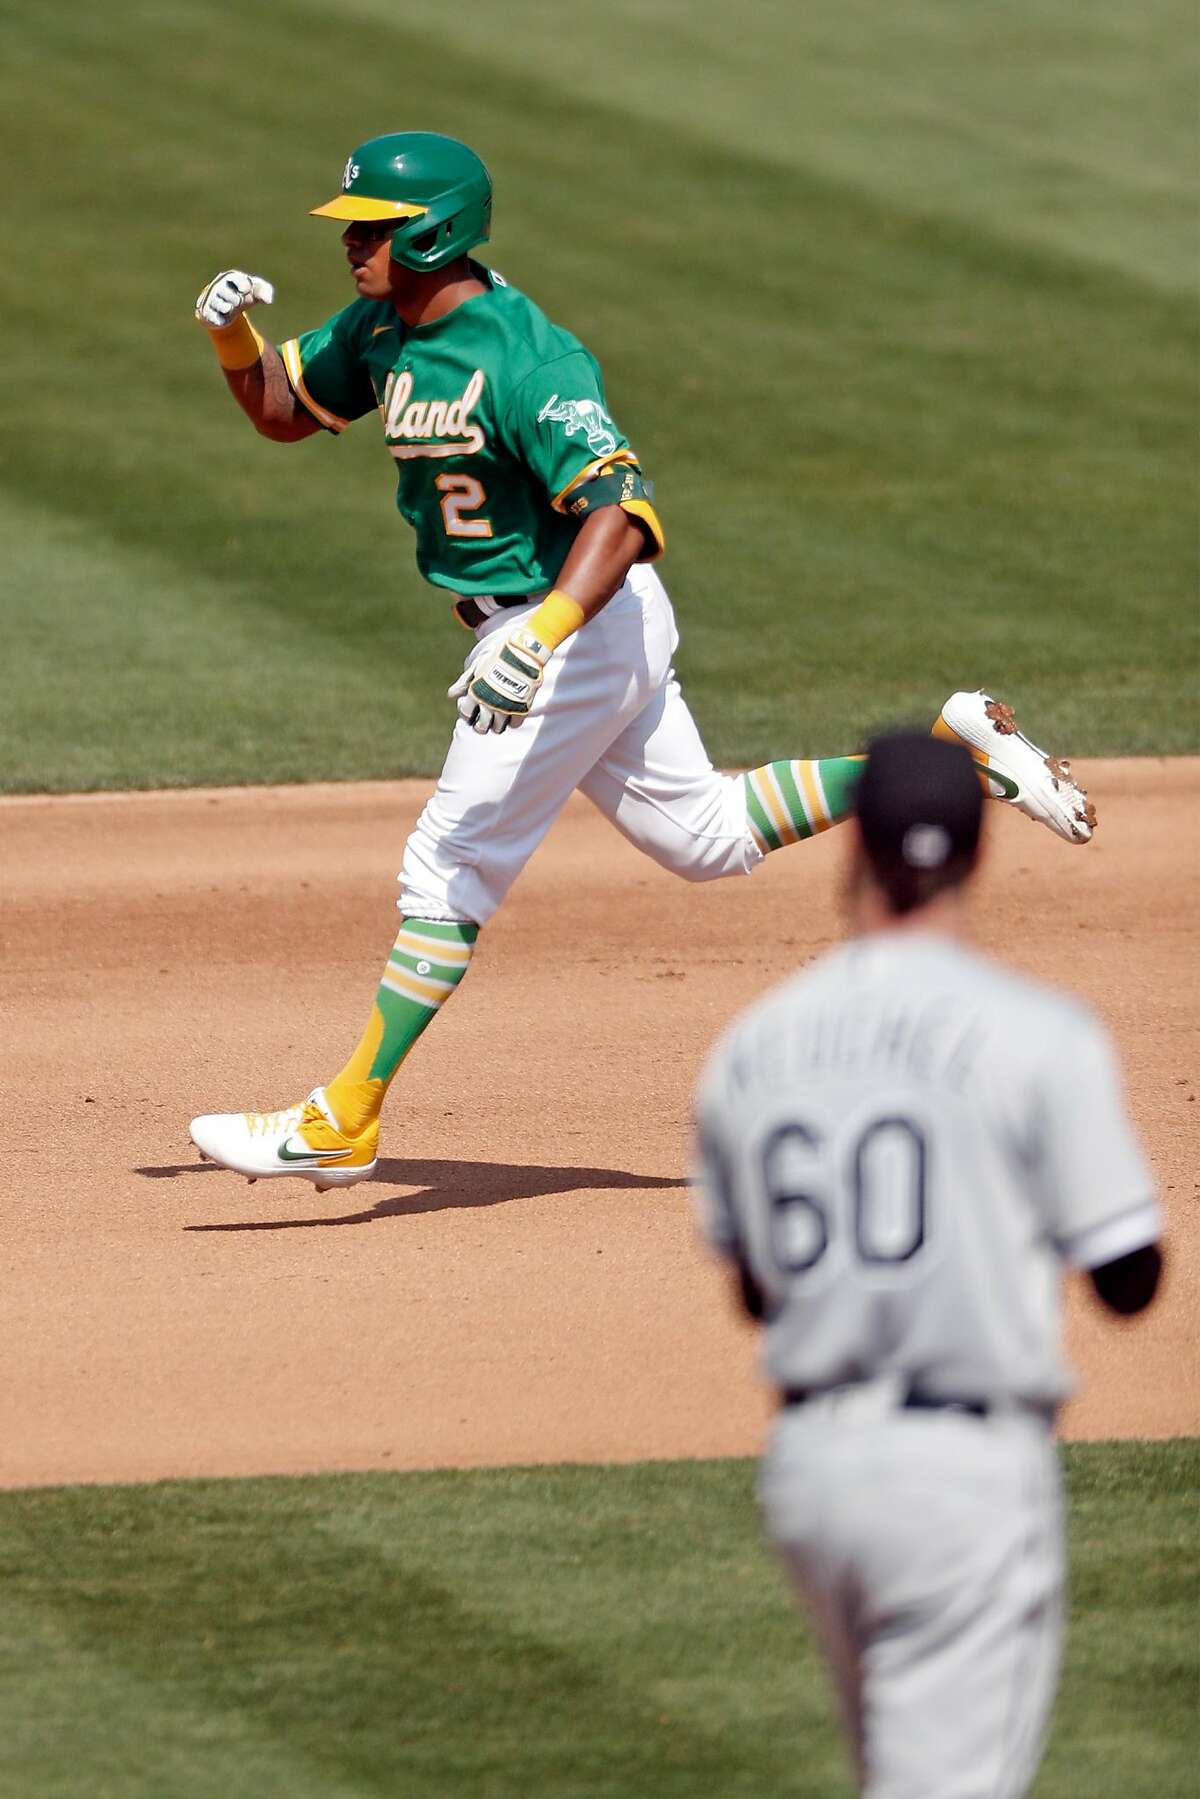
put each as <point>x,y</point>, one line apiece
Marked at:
<point>905,1142</point>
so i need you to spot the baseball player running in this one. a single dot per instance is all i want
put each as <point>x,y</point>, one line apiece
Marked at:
<point>534,519</point>
<point>900,1148</point>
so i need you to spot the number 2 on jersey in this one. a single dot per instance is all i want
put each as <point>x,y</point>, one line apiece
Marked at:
<point>460,494</point>
<point>887,1182</point>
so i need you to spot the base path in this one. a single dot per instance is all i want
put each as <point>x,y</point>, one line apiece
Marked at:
<point>522,1282</point>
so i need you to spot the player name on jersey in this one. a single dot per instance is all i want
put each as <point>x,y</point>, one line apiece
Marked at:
<point>925,1040</point>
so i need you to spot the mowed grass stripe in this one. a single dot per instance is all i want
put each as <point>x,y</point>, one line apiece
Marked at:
<point>1132,1707</point>
<point>599,1631</point>
<point>906,454</point>
<point>1032,118</point>
<point>375,1629</point>
<point>180,683</point>
<point>79,1718</point>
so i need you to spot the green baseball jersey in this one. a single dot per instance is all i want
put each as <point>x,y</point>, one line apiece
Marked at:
<point>495,418</point>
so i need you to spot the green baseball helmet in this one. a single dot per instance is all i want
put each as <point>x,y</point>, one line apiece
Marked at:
<point>437,188</point>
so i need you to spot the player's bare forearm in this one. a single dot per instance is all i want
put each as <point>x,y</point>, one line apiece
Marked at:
<point>265,395</point>
<point>608,545</point>
<point>498,689</point>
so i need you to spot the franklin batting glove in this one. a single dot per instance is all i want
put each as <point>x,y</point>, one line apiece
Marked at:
<point>499,687</point>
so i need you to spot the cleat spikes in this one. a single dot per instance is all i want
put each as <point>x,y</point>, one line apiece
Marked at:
<point>1043,787</point>
<point>1002,718</point>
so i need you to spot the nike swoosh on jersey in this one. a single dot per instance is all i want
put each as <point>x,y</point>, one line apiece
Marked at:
<point>310,1155</point>
<point>380,328</point>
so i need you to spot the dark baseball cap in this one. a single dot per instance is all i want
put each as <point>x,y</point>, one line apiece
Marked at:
<point>919,806</point>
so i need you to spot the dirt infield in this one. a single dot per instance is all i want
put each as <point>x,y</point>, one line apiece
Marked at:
<point>523,1282</point>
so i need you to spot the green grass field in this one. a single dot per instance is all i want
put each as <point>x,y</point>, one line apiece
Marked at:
<point>566,1631</point>
<point>897,305</point>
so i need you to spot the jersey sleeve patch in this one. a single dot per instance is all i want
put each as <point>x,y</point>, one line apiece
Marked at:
<point>559,424</point>
<point>582,418</point>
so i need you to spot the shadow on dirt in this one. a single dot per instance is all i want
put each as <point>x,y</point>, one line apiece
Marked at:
<point>445,1185</point>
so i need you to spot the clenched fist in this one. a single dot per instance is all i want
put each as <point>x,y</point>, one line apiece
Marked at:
<point>229,294</point>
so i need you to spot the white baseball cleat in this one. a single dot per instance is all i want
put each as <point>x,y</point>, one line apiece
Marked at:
<point>1014,769</point>
<point>304,1140</point>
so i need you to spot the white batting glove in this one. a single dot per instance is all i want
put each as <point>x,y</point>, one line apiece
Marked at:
<point>498,688</point>
<point>229,294</point>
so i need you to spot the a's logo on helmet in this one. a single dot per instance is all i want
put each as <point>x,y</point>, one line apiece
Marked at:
<point>350,173</point>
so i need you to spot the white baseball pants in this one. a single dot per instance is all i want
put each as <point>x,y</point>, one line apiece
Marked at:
<point>609,719</point>
<point>929,1549</point>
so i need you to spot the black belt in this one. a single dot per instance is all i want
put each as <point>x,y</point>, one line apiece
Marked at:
<point>914,1400</point>
<point>471,614</point>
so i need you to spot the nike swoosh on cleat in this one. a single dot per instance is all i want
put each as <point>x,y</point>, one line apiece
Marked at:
<point>314,1156</point>
<point>1009,788</point>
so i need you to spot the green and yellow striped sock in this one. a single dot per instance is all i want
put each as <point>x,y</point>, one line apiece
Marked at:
<point>786,801</point>
<point>427,962</point>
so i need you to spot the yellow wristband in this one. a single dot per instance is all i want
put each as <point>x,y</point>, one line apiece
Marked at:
<point>555,619</point>
<point>238,346</point>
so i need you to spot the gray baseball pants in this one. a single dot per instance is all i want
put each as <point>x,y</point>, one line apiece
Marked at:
<point>928,1547</point>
